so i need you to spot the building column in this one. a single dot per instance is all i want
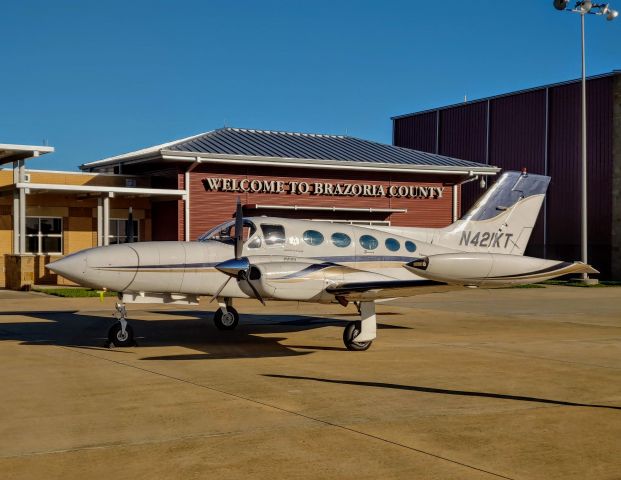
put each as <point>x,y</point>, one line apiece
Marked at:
<point>99,221</point>
<point>106,219</point>
<point>22,206</point>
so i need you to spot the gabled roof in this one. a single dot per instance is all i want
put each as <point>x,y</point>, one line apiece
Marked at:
<point>276,147</point>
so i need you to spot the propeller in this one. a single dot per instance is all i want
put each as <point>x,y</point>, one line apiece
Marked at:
<point>237,267</point>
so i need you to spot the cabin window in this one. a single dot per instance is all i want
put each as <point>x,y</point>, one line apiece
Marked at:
<point>341,240</point>
<point>368,242</point>
<point>392,244</point>
<point>410,246</point>
<point>273,234</point>
<point>313,237</point>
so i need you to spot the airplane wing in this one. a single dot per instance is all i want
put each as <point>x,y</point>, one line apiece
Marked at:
<point>375,290</point>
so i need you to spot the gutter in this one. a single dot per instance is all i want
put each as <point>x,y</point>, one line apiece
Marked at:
<point>327,164</point>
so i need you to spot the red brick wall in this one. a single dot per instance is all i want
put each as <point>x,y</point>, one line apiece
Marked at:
<point>209,208</point>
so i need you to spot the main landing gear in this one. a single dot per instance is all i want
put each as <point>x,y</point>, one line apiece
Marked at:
<point>226,317</point>
<point>121,334</point>
<point>359,335</point>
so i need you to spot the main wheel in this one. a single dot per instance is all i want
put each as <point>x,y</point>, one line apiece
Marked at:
<point>352,330</point>
<point>226,321</point>
<point>120,339</point>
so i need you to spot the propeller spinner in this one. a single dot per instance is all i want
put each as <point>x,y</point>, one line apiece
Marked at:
<point>239,266</point>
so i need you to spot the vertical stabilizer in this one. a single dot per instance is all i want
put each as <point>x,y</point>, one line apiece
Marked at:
<point>502,220</point>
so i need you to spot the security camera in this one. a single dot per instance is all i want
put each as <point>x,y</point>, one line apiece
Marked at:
<point>560,4</point>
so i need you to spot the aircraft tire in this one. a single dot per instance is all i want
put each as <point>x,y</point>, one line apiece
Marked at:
<point>228,321</point>
<point>116,337</point>
<point>351,331</point>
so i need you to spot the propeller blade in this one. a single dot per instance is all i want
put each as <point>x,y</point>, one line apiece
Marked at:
<point>217,294</point>
<point>243,277</point>
<point>239,229</point>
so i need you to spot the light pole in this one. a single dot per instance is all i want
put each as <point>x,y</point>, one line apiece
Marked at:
<point>583,8</point>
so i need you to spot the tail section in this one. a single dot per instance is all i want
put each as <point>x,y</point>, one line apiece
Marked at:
<point>503,218</point>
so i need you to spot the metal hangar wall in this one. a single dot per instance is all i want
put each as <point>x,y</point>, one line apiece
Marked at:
<point>539,129</point>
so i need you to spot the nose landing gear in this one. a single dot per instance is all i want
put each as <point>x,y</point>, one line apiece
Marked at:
<point>121,334</point>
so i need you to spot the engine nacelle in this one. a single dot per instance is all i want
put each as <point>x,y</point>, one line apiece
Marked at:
<point>492,270</point>
<point>291,280</point>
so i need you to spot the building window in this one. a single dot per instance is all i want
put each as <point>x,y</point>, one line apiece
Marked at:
<point>44,235</point>
<point>118,231</point>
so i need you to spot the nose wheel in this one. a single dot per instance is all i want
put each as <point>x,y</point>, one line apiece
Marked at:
<point>227,319</point>
<point>120,337</point>
<point>121,334</point>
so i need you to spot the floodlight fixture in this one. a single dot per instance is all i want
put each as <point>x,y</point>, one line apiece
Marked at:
<point>611,15</point>
<point>584,6</point>
<point>560,4</point>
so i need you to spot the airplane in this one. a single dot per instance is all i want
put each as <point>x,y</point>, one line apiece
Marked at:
<point>268,258</point>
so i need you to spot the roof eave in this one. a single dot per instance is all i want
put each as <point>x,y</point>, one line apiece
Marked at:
<point>172,155</point>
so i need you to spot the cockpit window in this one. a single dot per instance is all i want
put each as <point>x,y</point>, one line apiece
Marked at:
<point>225,232</point>
<point>273,234</point>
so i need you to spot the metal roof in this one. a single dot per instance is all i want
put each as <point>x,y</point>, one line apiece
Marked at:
<point>508,94</point>
<point>315,148</point>
<point>10,152</point>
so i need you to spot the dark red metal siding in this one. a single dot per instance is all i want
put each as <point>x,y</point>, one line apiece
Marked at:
<point>518,132</point>
<point>518,139</point>
<point>208,208</point>
<point>463,132</point>
<point>417,132</point>
<point>565,168</point>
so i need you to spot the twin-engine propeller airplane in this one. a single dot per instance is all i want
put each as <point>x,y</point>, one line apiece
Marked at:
<point>282,259</point>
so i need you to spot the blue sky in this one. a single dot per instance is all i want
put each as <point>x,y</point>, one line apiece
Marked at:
<point>95,79</point>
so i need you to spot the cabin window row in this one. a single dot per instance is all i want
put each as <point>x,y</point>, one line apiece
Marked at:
<point>368,242</point>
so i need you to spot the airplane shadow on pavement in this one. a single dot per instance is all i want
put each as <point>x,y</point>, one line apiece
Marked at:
<point>442,391</point>
<point>188,328</point>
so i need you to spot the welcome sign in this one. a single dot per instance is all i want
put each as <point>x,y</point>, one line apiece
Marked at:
<point>247,185</point>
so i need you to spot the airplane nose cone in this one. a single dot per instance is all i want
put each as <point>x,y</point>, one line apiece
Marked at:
<point>113,267</point>
<point>71,266</point>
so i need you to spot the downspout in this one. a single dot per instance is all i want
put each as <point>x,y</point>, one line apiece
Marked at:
<point>455,189</point>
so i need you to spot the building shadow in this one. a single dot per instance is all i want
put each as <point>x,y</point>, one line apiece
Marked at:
<point>185,328</point>
<point>442,391</point>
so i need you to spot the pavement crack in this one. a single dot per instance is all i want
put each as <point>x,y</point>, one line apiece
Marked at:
<point>298,414</point>
<point>104,446</point>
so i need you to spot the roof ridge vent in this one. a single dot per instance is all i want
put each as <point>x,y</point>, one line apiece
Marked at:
<point>281,132</point>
